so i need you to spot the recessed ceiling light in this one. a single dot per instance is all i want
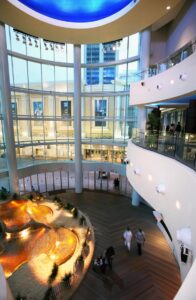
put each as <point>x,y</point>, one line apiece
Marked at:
<point>168,7</point>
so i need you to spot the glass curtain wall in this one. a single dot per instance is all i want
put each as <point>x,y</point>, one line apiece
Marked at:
<point>42,88</point>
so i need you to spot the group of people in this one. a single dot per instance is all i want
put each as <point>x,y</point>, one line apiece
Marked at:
<point>104,261</point>
<point>172,128</point>
<point>139,236</point>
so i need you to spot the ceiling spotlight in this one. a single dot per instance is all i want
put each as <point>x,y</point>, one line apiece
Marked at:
<point>46,46</point>
<point>36,43</point>
<point>168,7</point>
<point>30,42</point>
<point>183,77</point>
<point>160,188</point>
<point>24,39</point>
<point>137,171</point>
<point>17,37</point>
<point>172,81</point>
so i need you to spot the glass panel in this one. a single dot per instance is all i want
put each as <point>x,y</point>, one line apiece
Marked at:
<point>50,152</point>
<point>87,107</point>
<point>24,131</point>
<point>62,151</point>
<point>47,52</point>
<point>49,106</point>
<point>34,72</point>
<point>37,131</point>
<point>86,130</point>
<point>121,77</point>
<point>70,79</point>
<point>132,71</point>
<point>61,79</point>
<point>18,41</point>
<point>20,72</point>
<point>134,44</point>
<point>21,106</point>
<point>122,50</point>
<point>33,47</point>
<point>50,130</point>
<point>48,77</point>
<point>100,112</point>
<point>70,52</point>
<point>60,53</point>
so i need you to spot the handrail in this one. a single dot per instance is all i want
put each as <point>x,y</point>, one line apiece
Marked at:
<point>169,61</point>
<point>180,146</point>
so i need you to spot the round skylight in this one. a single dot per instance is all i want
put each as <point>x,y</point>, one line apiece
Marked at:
<point>77,11</point>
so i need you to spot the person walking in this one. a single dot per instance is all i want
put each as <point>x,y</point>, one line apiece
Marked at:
<point>109,254</point>
<point>127,236</point>
<point>140,239</point>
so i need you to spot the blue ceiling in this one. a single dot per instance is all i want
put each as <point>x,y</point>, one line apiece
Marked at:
<point>78,11</point>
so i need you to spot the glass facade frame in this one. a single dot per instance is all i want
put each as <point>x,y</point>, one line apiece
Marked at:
<point>42,95</point>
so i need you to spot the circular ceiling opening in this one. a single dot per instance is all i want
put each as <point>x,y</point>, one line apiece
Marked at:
<point>81,12</point>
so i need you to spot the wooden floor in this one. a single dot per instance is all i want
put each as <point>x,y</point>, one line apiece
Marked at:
<point>153,276</point>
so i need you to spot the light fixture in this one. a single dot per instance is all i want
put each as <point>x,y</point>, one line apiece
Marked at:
<point>183,77</point>
<point>111,46</point>
<point>36,43</point>
<point>168,7</point>
<point>17,37</point>
<point>178,205</point>
<point>172,81</point>
<point>160,188</point>
<point>24,39</point>
<point>137,171</point>
<point>46,46</point>
<point>30,42</point>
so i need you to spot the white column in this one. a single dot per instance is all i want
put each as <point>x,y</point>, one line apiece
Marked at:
<point>7,114</point>
<point>145,51</point>
<point>77,118</point>
<point>135,198</point>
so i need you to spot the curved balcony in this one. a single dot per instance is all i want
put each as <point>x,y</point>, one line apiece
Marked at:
<point>181,147</point>
<point>175,82</point>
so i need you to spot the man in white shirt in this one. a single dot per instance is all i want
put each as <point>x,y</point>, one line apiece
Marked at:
<point>127,235</point>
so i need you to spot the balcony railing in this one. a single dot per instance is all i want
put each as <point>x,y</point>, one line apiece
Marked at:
<point>169,61</point>
<point>180,146</point>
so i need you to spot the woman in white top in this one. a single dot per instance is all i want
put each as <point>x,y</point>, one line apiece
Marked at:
<point>127,235</point>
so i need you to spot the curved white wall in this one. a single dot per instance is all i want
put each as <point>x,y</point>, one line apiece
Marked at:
<point>177,204</point>
<point>171,86</point>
